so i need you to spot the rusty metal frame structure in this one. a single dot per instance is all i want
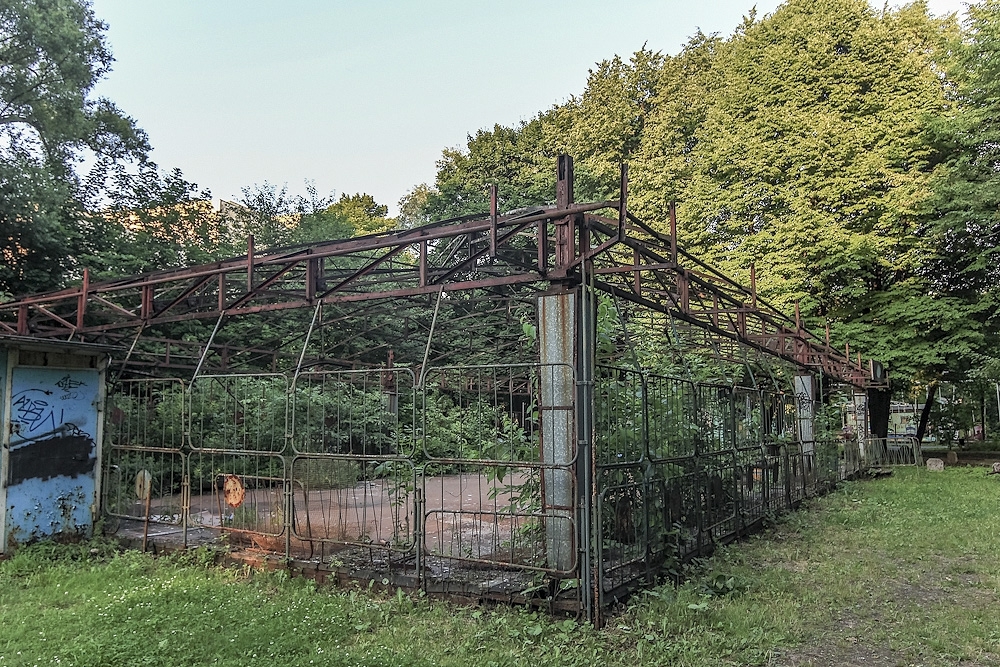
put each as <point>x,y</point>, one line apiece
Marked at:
<point>546,248</point>
<point>617,469</point>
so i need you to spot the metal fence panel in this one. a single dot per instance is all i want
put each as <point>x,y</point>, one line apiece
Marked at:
<point>344,500</point>
<point>366,413</point>
<point>240,413</point>
<point>499,479</point>
<point>468,482</point>
<point>147,414</point>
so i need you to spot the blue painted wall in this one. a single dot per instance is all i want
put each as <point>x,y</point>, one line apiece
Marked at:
<point>51,463</point>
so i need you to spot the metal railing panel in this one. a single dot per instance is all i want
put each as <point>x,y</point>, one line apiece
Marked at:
<point>239,413</point>
<point>362,413</point>
<point>147,413</point>
<point>343,500</point>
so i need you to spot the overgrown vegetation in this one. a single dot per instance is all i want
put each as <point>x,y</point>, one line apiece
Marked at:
<point>898,571</point>
<point>847,151</point>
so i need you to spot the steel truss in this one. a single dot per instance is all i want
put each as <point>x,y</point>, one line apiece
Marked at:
<point>544,249</point>
<point>445,421</point>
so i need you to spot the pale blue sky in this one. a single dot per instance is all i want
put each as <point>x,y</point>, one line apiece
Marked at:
<point>362,96</point>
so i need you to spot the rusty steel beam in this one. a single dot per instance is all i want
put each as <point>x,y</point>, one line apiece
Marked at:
<point>714,302</point>
<point>627,257</point>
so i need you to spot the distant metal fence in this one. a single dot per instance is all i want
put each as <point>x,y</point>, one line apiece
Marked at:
<point>891,452</point>
<point>476,482</point>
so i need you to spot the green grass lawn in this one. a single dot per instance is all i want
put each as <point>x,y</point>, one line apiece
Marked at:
<point>901,571</point>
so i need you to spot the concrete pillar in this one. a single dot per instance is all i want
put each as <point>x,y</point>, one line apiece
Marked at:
<point>805,411</point>
<point>860,401</point>
<point>557,325</point>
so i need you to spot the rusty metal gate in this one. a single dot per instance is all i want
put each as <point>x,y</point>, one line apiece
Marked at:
<point>684,466</point>
<point>448,489</point>
<point>473,482</point>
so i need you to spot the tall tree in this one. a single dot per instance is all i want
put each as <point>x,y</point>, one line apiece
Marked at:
<point>516,160</point>
<point>52,53</point>
<point>812,162</point>
<point>962,231</point>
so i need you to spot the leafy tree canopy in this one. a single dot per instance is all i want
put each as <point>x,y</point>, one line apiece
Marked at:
<point>962,228</point>
<point>846,151</point>
<point>52,53</point>
<point>812,163</point>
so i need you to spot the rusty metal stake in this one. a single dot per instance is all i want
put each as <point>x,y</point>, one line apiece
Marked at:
<point>145,527</point>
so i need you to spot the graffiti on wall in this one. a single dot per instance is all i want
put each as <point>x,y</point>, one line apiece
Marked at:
<point>52,462</point>
<point>39,410</point>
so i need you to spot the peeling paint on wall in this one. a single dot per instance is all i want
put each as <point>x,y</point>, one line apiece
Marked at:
<point>51,464</point>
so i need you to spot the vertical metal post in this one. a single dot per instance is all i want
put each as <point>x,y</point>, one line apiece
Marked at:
<point>321,274</point>
<point>185,488</point>
<point>673,233</point>
<point>81,307</point>
<point>566,226</point>
<point>586,357</point>
<point>423,263</point>
<point>734,449</point>
<point>250,249</point>
<point>564,181</point>
<point>683,295</point>
<point>312,269</point>
<point>636,275</point>
<point>623,202</point>
<point>419,510</point>
<point>557,322</point>
<point>493,220</point>
<point>146,304</point>
<point>543,246</point>
<point>286,509</point>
